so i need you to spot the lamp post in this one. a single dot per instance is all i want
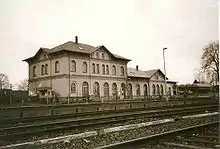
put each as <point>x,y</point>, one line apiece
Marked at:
<point>165,74</point>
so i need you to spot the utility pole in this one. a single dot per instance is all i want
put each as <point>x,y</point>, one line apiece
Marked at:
<point>10,94</point>
<point>165,73</point>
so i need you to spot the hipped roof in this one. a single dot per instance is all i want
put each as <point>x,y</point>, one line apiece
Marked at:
<point>76,47</point>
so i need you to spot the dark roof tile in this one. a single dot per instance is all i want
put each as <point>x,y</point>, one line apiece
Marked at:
<point>73,47</point>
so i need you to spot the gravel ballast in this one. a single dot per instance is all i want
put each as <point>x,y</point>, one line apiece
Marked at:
<point>103,139</point>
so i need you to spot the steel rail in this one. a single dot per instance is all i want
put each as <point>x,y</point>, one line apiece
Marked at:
<point>27,130</point>
<point>122,145</point>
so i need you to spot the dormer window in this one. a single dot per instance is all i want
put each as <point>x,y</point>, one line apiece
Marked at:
<point>81,48</point>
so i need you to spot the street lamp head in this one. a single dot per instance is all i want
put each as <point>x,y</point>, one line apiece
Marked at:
<point>164,48</point>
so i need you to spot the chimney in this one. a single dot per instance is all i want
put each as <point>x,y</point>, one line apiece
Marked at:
<point>137,67</point>
<point>76,39</point>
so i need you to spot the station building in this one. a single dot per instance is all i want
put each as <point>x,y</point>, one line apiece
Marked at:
<point>74,70</point>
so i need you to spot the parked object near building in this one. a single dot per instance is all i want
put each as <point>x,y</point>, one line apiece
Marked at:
<point>74,70</point>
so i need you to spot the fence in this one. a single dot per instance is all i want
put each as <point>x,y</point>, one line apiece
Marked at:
<point>21,98</point>
<point>8,96</point>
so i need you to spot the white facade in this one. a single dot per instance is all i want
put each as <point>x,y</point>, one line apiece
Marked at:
<point>80,72</point>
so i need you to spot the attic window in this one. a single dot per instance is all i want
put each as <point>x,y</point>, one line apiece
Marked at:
<point>45,55</point>
<point>157,76</point>
<point>81,48</point>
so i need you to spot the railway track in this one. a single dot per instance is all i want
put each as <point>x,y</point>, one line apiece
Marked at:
<point>203,136</point>
<point>24,121</point>
<point>37,129</point>
<point>28,120</point>
<point>109,135</point>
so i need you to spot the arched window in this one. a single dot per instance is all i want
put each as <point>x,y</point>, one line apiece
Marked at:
<point>85,89</point>
<point>93,68</point>
<point>103,56</point>
<point>106,89</point>
<point>73,66</point>
<point>154,89</point>
<point>42,69</point>
<point>169,91</point>
<point>113,70</point>
<point>114,89</point>
<point>161,89</point>
<point>84,67</point>
<point>96,89</point>
<point>46,68</point>
<point>34,71</point>
<point>122,91</point>
<point>122,71</point>
<point>107,70</point>
<point>57,67</point>
<point>73,87</point>
<point>97,67</point>
<point>138,92</point>
<point>158,89</point>
<point>130,94</point>
<point>145,90</point>
<point>103,69</point>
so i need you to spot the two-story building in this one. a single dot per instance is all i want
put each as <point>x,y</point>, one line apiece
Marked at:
<point>74,69</point>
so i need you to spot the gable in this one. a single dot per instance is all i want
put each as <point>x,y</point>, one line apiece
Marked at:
<point>158,76</point>
<point>42,53</point>
<point>101,53</point>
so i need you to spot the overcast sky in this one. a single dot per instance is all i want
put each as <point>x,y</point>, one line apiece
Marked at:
<point>136,29</point>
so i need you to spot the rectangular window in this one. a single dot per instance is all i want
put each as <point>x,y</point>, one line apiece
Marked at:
<point>73,66</point>
<point>46,69</point>
<point>103,69</point>
<point>57,67</point>
<point>84,67</point>
<point>113,70</point>
<point>93,68</point>
<point>42,70</point>
<point>97,67</point>
<point>107,70</point>
<point>34,71</point>
<point>122,71</point>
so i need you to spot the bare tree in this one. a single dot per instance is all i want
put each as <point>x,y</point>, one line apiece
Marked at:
<point>4,81</point>
<point>200,76</point>
<point>210,60</point>
<point>23,85</point>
